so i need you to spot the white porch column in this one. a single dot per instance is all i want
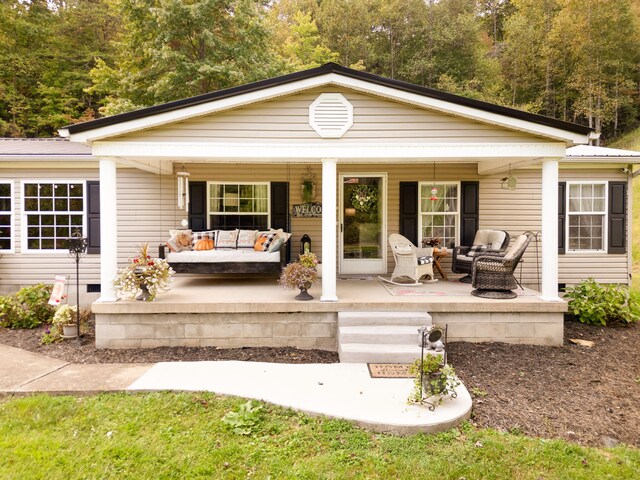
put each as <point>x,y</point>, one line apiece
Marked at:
<point>108,229</point>
<point>550,230</point>
<point>329,230</point>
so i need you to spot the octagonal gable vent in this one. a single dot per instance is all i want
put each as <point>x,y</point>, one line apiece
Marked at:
<point>331,115</point>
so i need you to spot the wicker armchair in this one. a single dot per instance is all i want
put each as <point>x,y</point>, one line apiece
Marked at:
<point>492,276</point>
<point>486,242</point>
<point>411,262</point>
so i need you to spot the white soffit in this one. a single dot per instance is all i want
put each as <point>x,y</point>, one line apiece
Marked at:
<point>331,115</point>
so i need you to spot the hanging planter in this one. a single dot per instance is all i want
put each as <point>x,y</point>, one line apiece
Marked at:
<point>364,198</point>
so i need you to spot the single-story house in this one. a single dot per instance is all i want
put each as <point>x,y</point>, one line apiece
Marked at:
<point>296,152</point>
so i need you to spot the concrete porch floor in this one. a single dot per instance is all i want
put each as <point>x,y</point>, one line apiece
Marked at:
<point>247,312</point>
<point>249,294</point>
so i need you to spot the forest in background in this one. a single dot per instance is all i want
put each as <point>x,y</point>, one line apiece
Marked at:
<point>62,62</point>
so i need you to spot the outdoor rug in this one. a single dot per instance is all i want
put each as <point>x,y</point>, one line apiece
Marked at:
<point>440,289</point>
<point>389,370</point>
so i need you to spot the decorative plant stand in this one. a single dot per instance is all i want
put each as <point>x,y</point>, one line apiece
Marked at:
<point>434,384</point>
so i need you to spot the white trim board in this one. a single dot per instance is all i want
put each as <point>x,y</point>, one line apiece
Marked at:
<point>316,151</point>
<point>330,79</point>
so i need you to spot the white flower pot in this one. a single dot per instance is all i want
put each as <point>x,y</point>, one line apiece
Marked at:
<point>70,331</point>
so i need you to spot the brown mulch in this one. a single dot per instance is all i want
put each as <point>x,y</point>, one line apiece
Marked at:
<point>586,395</point>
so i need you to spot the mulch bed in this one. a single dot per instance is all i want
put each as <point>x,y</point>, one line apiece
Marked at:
<point>586,395</point>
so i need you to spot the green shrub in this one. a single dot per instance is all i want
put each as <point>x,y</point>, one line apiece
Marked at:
<point>28,308</point>
<point>603,304</point>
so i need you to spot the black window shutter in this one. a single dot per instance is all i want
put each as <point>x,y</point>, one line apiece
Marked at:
<point>409,198</point>
<point>280,205</point>
<point>93,216</point>
<point>280,209</point>
<point>470,212</point>
<point>562,217</point>
<point>198,206</point>
<point>617,217</point>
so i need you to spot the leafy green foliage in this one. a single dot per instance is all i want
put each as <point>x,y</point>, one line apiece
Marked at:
<point>603,304</point>
<point>167,435</point>
<point>245,419</point>
<point>28,308</point>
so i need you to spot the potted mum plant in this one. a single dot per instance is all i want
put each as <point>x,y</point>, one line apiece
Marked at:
<point>300,274</point>
<point>64,324</point>
<point>144,278</point>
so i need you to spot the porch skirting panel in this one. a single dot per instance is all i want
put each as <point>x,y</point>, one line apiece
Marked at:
<point>135,330</point>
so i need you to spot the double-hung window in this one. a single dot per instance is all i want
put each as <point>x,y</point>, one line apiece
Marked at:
<point>586,208</point>
<point>6,217</point>
<point>439,212</point>
<point>238,205</point>
<point>52,212</point>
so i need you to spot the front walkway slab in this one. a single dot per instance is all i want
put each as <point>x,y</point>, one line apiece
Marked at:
<point>335,390</point>
<point>20,367</point>
<point>87,379</point>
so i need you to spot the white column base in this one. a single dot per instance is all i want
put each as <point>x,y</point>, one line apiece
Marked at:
<point>329,230</point>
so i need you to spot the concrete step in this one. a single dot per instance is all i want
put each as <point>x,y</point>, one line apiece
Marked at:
<point>379,353</point>
<point>417,319</point>
<point>378,334</point>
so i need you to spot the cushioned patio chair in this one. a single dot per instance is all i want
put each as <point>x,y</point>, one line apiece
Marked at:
<point>411,262</point>
<point>492,275</point>
<point>486,242</point>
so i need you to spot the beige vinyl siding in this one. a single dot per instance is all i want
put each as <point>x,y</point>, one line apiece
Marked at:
<point>19,269</point>
<point>145,214</point>
<point>147,210</point>
<point>287,119</point>
<point>514,211</point>
<point>604,267</point>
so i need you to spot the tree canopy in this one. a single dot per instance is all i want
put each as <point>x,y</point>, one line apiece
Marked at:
<point>63,61</point>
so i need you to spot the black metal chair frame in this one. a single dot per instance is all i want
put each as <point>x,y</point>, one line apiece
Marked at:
<point>493,276</point>
<point>462,265</point>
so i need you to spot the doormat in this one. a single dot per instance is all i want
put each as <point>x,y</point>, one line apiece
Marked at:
<point>389,370</point>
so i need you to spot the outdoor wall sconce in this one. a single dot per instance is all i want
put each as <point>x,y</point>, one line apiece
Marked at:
<point>305,244</point>
<point>509,182</point>
<point>349,212</point>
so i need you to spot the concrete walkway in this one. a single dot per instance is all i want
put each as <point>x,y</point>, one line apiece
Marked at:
<point>339,390</point>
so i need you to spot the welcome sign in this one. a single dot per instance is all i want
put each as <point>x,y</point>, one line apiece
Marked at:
<point>307,210</point>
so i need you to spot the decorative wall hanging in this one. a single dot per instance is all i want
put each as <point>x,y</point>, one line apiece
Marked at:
<point>183,189</point>
<point>509,182</point>
<point>308,186</point>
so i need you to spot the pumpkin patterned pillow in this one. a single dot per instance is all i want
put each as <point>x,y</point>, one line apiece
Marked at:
<point>205,243</point>
<point>179,241</point>
<point>197,236</point>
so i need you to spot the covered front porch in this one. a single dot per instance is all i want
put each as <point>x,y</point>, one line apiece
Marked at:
<point>244,312</point>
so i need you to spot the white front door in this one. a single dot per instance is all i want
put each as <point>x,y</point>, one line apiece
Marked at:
<point>363,223</point>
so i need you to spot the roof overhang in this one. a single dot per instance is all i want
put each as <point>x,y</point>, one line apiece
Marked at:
<point>327,75</point>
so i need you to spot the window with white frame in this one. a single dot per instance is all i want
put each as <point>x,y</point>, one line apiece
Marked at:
<point>587,204</point>
<point>52,212</point>
<point>6,216</point>
<point>238,205</point>
<point>439,212</point>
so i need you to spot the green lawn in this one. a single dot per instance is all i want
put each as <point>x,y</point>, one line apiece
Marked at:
<point>183,436</point>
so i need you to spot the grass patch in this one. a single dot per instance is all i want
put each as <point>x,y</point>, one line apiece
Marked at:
<point>168,435</point>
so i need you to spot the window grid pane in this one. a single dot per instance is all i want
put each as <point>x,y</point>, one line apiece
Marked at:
<point>56,210</point>
<point>439,217</point>
<point>586,232</point>
<point>238,198</point>
<point>6,213</point>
